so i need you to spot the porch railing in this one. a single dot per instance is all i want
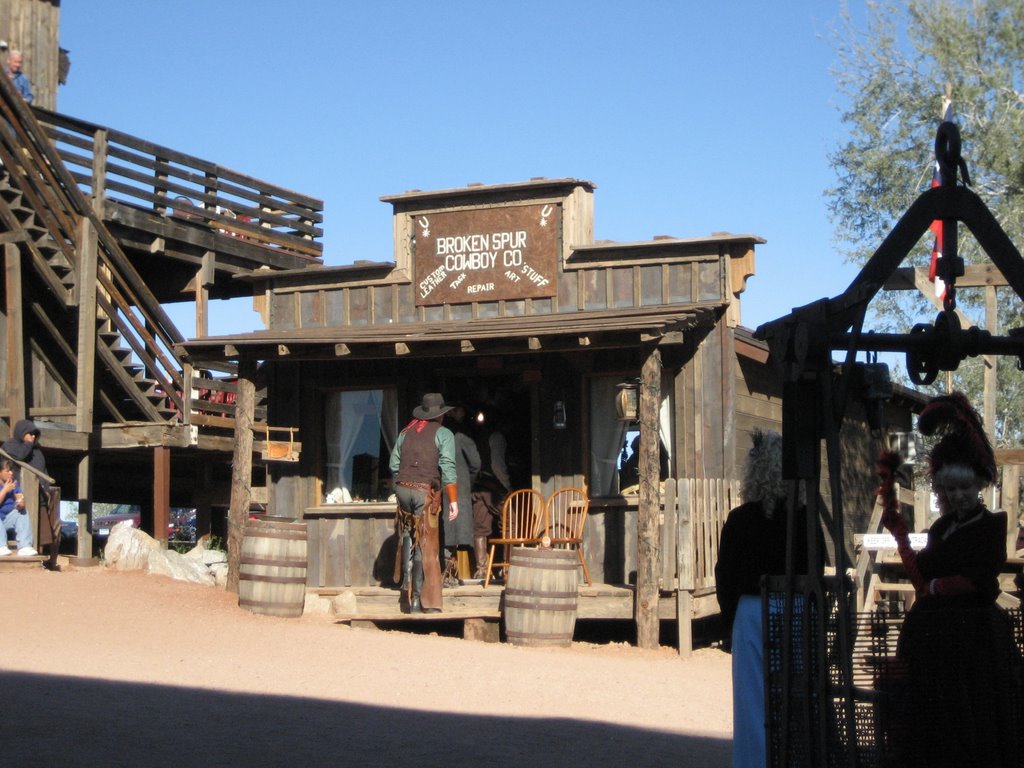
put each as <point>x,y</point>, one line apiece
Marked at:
<point>111,165</point>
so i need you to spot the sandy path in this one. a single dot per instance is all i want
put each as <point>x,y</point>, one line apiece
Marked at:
<point>125,669</point>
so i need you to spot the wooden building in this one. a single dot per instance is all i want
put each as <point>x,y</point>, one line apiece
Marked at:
<point>498,297</point>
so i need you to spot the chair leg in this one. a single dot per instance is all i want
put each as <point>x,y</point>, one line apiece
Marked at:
<point>583,562</point>
<point>490,564</point>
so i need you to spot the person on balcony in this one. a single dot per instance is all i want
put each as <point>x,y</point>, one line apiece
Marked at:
<point>13,513</point>
<point>423,465</point>
<point>15,60</point>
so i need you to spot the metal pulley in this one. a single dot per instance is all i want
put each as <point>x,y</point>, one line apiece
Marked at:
<point>941,347</point>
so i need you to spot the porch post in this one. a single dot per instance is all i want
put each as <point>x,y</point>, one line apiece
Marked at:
<point>161,492</point>
<point>648,541</point>
<point>241,467</point>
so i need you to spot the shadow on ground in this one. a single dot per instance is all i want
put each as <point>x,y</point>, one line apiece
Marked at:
<point>80,722</point>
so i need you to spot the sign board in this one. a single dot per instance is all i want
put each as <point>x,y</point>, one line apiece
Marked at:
<point>487,254</point>
<point>888,541</point>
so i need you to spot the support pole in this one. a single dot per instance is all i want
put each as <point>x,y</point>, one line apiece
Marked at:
<point>16,408</point>
<point>84,550</point>
<point>85,390</point>
<point>241,468</point>
<point>648,540</point>
<point>161,493</point>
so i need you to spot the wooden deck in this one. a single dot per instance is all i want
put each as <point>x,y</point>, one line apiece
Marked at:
<point>596,602</point>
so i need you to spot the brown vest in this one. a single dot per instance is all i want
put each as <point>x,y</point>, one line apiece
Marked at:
<point>420,457</point>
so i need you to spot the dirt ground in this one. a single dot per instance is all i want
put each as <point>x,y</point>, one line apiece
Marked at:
<point>125,669</point>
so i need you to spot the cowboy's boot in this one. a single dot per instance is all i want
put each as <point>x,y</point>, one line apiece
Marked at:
<point>405,596</point>
<point>417,584</point>
<point>480,553</point>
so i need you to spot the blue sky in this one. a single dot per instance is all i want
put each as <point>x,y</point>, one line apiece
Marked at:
<point>690,117</point>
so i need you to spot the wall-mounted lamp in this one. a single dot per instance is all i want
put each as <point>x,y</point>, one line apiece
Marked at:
<point>627,401</point>
<point>558,422</point>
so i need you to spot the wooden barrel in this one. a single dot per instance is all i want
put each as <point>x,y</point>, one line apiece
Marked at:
<point>272,568</point>
<point>541,596</point>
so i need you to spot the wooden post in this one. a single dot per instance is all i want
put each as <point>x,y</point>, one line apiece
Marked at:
<point>990,382</point>
<point>100,145</point>
<point>241,467</point>
<point>85,392</point>
<point>161,492</point>
<point>84,550</point>
<point>647,624</point>
<point>16,408</point>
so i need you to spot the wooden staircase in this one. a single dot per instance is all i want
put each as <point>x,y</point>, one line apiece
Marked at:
<point>82,292</point>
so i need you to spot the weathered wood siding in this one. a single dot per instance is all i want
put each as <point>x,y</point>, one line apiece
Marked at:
<point>634,284</point>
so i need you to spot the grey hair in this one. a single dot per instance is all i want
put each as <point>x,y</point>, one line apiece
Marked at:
<point>762,474</point>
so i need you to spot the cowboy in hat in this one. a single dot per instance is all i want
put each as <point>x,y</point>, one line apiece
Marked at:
<point>423,463</point>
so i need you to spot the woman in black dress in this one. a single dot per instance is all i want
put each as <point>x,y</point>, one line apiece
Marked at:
<point>961,702</point>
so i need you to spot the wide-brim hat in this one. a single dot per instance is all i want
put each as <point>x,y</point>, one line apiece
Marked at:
<point>431,407</point>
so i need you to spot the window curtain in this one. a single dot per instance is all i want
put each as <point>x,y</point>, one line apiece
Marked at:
<point>606,436</point>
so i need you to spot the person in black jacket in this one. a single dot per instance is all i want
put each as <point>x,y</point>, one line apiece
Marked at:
<point>752,545</point>
<point>24,447</point>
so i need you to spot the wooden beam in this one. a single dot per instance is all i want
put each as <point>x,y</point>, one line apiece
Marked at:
<point>241,468</point>
<point>85,380</point>
<point>16,405</point>
<point>975,276</point>
<point>16,236</point>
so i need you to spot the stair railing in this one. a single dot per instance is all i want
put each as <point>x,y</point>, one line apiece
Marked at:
<point>35,167</point>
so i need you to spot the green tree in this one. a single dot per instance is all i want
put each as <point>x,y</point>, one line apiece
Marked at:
<point>894,68</point>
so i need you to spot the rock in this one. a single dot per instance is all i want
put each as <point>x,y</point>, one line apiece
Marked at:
<point>220,573</point>
<point>213,557</point>
<point>167,562</point>
<point>344,604</point>
<point>316,604</point>
<point>128,548</point>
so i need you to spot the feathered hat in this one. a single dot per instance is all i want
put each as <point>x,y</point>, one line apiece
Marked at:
<point>963,439</point>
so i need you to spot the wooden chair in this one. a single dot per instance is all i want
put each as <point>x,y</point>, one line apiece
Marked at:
<point>565,516</point>
<point>521,515</point>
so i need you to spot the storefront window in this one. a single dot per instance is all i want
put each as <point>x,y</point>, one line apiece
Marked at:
<point>361,426</point>
<point>614,465</point>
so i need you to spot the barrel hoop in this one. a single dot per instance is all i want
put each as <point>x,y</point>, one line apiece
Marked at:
<point>266,533</point>
<point>287,562</point>
<point>549,565</point>
<point>279,608</point>
<point>537,635</point>
<point>540,606</point>
<point>272,579</point>
<point>534,593</point>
